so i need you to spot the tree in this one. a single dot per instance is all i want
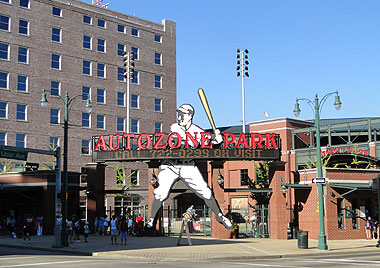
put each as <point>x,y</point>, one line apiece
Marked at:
<point>6,166</point>
<point>121,178</point>
<point>262,182</point>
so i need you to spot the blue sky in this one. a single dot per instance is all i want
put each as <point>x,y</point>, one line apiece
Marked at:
<point>297,48</point>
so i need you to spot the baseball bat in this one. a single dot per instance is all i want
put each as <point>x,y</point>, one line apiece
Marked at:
<point>203,98</point>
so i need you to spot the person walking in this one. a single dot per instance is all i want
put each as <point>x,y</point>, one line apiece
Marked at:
<point>114,231</point>
<point>130,225</point>
<point>86,230</point>
<point>12,226</point>
<point>101,225</point>
<point>39,221</point>
<point>123,228</point>
<point>368,228</point>
<point>76,228</point>
<point>96,225</point>
<point>69,227</point>
<point>28,229</point>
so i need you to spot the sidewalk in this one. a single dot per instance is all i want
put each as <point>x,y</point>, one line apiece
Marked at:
<point>203,248</point>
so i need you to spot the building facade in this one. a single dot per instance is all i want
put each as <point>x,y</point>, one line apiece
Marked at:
<point>75,47</point>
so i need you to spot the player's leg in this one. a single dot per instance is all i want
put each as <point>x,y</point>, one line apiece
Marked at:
<point>166,177</point>
<point>194,180</point>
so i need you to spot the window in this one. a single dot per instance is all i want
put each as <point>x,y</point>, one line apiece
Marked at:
<point>86,67</point>
<point>3,138</point>
<point>121,28</point>
<point>22,55</point>
<point>100,95</point>
<point>54,143</point>
<point>56,35</point>
<point>135,125</point>
<point>120,74</point>
<point>4,23</point>
<point>354,212</point>
<point>157,105</point>
<point>101,70</point>
<point>24,3</point>
<point>158,38</point>
<point>85,120</point>
<point>22,83</point>
<point>3,110</point>
<point>135,51</point>
<point>4,51</point>
<point>23,27</point>
<point>21,112</point>
<point>87,19</point>
<point>55,88</point>
<point>4,1</point>
<point>101,23</point>
<point>101,45</point>
<point>85,93</point>
<point>244,178</point>
<point>54,116</point>
<point>135,79</point>
<point>135,32</point>
<point>100,121</point>
<point>87,42</point>
<point>157,81</point>
<point>56,61</point>
<point>120,124</point>
<point>20,140</point>
<point>56,11</point>
<point>120,49</point>
<point>157,127</point>
<point>134,101</point>
<point>3,80</point>
<point>121,98</point>
<point>135,177</point>
<point>85,147</point>
<point>157,58</point>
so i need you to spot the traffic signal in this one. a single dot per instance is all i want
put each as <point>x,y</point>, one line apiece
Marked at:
<point>132,65</point>
<point>126,64</point>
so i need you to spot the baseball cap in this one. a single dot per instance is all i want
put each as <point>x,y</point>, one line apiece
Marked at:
<point>186,108</point>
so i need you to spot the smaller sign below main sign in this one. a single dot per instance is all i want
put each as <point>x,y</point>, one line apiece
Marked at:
<point>19,155</point>
<point>318,180</point>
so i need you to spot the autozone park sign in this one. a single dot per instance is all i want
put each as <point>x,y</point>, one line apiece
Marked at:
<point>160,146</point>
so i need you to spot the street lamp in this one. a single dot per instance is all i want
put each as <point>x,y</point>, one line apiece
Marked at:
<point>66,103</point>
<point>242,70</point>
<point>322,244</point>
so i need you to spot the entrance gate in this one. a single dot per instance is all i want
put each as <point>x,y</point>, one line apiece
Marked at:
<point>200,226</point>
<point>262,226</point>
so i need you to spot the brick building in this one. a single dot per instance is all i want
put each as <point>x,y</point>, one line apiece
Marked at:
<point>77,47</point>
<point>350,154</point>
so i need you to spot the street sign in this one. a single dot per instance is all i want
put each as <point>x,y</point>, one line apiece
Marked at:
<point>19,155</point>
<point>318,180</point>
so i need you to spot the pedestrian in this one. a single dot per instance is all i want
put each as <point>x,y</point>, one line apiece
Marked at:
<point>368,228</point>
<point>130,225</point>
<point>69,228</point>
<point>28,228</point>
<point>76,227</point>
<point>39,221</point>
<point>12,226</point>
<point>105,225</point>
<point>96,224</point>
<point>114,231</point>
<point>123,228</point>
<point>86,230</point>
<point>101,225</point>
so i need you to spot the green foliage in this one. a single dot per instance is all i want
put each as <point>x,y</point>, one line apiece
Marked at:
<point>122,178</point>
<point>6,166</point>
<point>313,164</point>
<point>262,181</point>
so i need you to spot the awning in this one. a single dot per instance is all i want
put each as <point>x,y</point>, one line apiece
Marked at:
<point>298,186</point>
<point>248,190</point>
<point>351,187</point>
<point>4,188</point>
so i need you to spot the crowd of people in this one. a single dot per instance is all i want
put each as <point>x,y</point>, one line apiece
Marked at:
<point>117,226</point>
<point>26,227</point>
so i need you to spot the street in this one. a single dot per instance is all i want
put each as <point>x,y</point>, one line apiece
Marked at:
<point>30,258</point>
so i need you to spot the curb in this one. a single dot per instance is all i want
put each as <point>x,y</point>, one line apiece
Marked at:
<point>66,251</point>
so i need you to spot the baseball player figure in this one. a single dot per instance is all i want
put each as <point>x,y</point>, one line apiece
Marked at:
<point>171,171</point>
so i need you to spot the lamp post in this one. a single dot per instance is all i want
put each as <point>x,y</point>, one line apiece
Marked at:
<point>322,244</point>
<point>242,70</point>
<point>66,103</point>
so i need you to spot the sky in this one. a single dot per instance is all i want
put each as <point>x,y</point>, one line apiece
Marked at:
<point>297,49</point>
